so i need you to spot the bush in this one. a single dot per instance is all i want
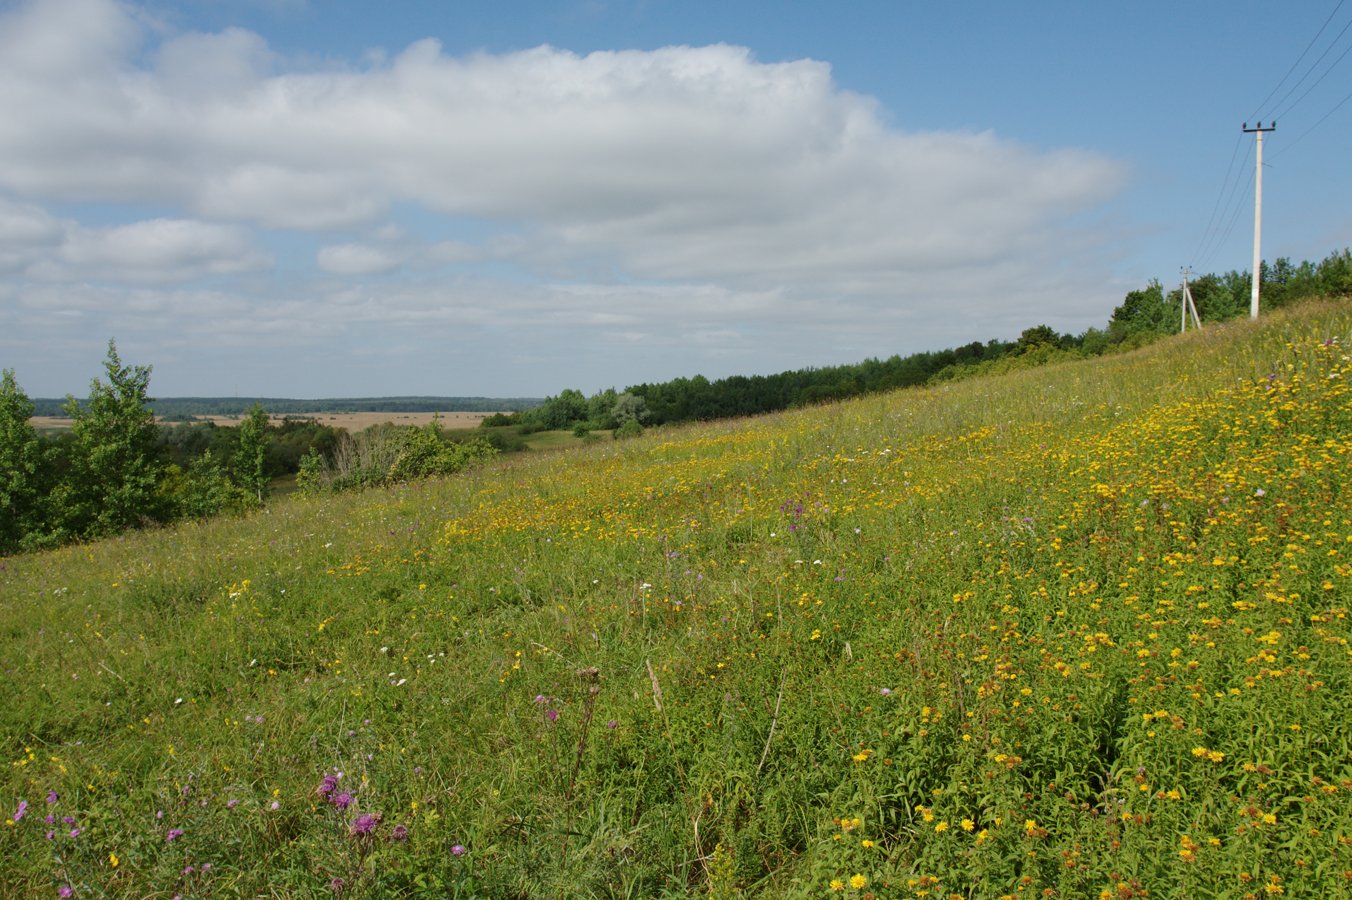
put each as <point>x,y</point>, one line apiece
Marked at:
<point>389,454</point>
<point>628,430</point>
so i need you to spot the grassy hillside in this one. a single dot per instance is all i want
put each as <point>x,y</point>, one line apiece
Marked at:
<point>1074,631</point>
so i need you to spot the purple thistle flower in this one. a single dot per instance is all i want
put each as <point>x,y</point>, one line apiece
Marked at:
<point>173,834</point>
<point>75,832</point>
<point>327,786</point>
<point>400,833</point>
<point>342,801</point>
<point>51,797</point>
<point>365,824</point>
<point>552,715</point>
<point>21,811</point>
<point>65,891</point>
<point>457,850</point>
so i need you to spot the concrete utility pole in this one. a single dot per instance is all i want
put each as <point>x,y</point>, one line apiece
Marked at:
<point>1257,132</point>
<point>1187,304</point>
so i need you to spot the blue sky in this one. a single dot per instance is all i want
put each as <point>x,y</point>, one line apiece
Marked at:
<point>315,199</point>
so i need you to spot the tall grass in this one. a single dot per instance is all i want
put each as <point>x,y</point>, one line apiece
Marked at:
<point>1073,631</point>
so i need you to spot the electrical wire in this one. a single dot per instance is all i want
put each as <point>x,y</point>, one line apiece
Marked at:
<point>1289,144</point>
<point>1230,228</point>
<point>1333,66</point>
<point>1283,110</point>
<point>1231,206</point>
<point>1215,207</point>
<point>1313,40</point>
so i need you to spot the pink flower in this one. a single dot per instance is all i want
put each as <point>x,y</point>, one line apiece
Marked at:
<point>552,715</point>
<point>21,811</point>
<point>173,834</point>
<point>457,850</point>
<point>65,891</point>
<point>342,801</point>
<point>365,824</point>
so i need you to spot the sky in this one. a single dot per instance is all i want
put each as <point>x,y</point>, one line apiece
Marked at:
<point>299,198</point>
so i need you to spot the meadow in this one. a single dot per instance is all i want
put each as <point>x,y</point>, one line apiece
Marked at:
<point>1074,631</point>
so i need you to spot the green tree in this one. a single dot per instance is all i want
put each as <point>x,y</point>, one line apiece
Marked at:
<point>629,408</point>
<point>1144,311</point>
<point>248,466</point>
<point>20,467</point>
<point>114,470</point>
<point>1035,337</point>
<point>204,489</point>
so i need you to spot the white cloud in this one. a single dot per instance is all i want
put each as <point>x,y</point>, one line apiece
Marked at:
<point>358,259</point>
<point>679,163</point>
<point>161,250</point>
<point>682,194</point>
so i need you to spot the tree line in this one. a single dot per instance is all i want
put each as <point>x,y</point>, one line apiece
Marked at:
<point>172,409</point>
<point>118,468</point>
<point>1144,316</point>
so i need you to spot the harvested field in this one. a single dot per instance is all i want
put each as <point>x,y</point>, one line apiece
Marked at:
<point>351,421</point>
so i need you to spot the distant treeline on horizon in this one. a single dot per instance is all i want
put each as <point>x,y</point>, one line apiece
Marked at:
<point>186,407</point>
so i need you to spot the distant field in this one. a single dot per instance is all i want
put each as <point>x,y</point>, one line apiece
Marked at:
<point>354,421</point>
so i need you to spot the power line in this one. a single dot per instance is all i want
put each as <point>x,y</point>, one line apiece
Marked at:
<point>1332,44</point>
<point>1234,209</point>
<point>1298,59</point>
<point>1215,207</point>
<point>1231,207</point>
<point>1320,121</point>
<point>1321,77</point>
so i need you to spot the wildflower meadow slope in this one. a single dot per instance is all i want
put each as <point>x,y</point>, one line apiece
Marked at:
<point>1073,631</point>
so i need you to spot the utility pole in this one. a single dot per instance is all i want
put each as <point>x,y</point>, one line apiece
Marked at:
<point>1257,132</point>
<point>1186,304</point>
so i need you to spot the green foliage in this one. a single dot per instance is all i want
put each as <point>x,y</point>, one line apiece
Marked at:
<point>1035,337</point>
<point>21,473</point>
<point>1144,311</point>
<point>114,463</point>
<point>205,490</point>
<point>311,476</point>
<point>630,428</point>
<point>628,408</point>
<point>248,466</point>
<point>561,411</point>
<point>391,454</point>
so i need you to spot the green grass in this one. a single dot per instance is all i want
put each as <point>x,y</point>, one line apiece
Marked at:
<point>1075,631</point>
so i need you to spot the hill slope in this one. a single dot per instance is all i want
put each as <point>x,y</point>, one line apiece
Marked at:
<point>1079,629</point>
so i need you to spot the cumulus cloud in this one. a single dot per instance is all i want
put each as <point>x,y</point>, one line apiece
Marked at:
<point>684,184</point>
<point>679,163</point>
